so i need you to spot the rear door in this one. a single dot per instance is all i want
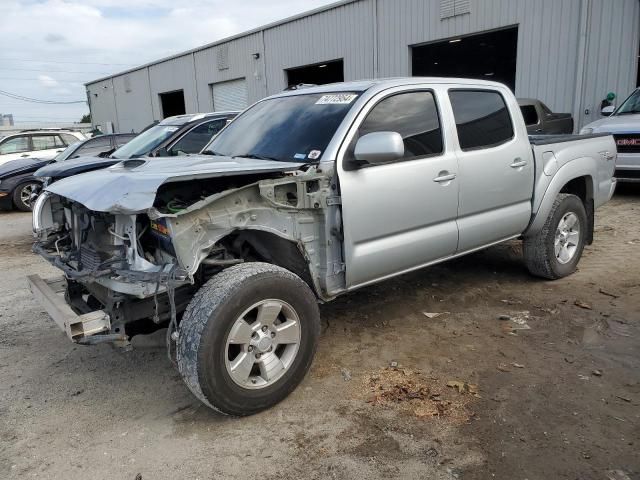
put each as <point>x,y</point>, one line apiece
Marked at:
<point>496,167</point>
<point>46,146</point>
<point>13,148</point>
<point>401,215</point>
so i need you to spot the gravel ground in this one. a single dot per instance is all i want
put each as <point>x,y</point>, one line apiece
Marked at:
<point>550,391</point>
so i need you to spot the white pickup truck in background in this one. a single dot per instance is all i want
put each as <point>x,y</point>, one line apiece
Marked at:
<point>305,196</point>
<point>624,124</point>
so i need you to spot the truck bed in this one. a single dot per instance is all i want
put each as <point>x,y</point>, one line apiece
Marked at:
<point>548,139</point>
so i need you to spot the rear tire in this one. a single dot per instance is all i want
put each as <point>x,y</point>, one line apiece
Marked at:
<point>247,338</point>
<point>22,195</point>
<point>555,251</point>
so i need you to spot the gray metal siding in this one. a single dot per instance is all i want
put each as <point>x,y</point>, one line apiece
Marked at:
<point>612,54</point>
<point>174,74</point>
<point>102,103</point>
<point>345,32</point>
<point>374,37</point>
<point>241,64</point>
<point>133,101</point>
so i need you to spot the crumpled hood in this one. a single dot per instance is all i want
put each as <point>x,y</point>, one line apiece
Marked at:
<point>21,165</point>
<point>616,124</point>
<point>73,166</point>
<point>130,186</point>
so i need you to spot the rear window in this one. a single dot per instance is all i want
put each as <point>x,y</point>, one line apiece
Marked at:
<point>482,118</point>
<point>529,113</point>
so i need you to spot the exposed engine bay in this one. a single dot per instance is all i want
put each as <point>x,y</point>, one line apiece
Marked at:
<point>142,268</point>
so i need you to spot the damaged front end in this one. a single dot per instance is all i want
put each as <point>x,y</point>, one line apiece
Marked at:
<point>129,271</point>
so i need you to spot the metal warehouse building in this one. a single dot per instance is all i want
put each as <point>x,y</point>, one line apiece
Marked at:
<point>567,53</point>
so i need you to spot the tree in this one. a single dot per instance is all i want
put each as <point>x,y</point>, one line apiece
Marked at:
<point>86,118</point>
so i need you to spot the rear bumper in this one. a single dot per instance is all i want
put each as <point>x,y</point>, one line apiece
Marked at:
<point>79,328</point>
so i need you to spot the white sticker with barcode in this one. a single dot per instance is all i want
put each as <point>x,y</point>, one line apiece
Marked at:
<point>337,99</point>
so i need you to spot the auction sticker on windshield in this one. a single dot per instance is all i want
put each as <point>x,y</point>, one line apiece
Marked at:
<point>337,99</point>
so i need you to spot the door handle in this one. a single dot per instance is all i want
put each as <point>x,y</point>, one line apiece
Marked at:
<point>518,163</point>
<point>444,177</point>
<point>25,155</point>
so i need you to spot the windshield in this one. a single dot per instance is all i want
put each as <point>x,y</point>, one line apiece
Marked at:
<point>63,155</point>
<point>630,105</point>
<point>286,129</point>
<point>145,142</point>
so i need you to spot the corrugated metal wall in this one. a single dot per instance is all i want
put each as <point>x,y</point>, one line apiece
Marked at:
<point>133,100</point>
<point>344,32</point>
<point>176,74</point>
<point>374,38</point>
<point>241,64</point>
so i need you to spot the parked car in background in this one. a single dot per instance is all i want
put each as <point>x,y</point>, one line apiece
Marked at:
<point>308,195</point>
<point>44,144</point>
<point>18,183</point>
<point>624,124</point>
<point>540,120</point>
<point>179,135</point>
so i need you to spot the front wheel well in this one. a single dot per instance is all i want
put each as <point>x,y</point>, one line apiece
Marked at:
<point>260,246</point>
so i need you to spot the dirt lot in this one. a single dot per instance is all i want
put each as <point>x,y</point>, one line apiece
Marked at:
<point>550,391</point>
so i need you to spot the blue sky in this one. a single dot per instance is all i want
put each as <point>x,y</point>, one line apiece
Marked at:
<point>55,46</point>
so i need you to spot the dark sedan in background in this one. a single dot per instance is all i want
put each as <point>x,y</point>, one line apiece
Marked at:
<point>173,136</point>
<point>17,180</point>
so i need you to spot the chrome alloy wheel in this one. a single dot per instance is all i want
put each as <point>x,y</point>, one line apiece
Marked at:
<point>567,238</point>
<point>262,344</point>
<point>26,194</point>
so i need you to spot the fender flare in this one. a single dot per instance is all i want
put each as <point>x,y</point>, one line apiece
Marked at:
<point>577,168</point>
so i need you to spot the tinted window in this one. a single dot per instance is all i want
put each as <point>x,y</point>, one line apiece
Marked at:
<point>122,139</point>
<point>545,109</point>
<point>529,113</point>
<point>93,147</point>
<point>482,118</point>
<point>44,142</point>
<point>414,116</point>
<point>68,138</point>
<point>295,128</point>
<point>15,145</point>
<point>195,140</point>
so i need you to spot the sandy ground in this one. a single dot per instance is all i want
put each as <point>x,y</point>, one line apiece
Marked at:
<point>557,400</point>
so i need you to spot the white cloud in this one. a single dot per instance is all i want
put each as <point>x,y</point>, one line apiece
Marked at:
<point>119,33</point>
<point>47,81</point>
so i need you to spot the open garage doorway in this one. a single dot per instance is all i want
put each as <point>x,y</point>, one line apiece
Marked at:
<point>319,74</point>
<point>172,103</point>
<point>488,56</point>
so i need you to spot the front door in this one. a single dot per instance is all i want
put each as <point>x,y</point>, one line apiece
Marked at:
<point>401,215</point>
<point>496,168</point>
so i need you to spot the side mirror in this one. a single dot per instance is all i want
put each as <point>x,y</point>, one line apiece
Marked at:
<point>607,111</point>
<point>379,147</point>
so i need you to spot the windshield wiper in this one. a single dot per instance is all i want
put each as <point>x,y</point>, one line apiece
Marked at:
<point>211,152</point>
<point>629,112</point>
<point>257,157</point>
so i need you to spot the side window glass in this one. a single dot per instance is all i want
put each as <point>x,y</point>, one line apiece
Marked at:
<point>43,142</point>
<point>196,139</point>
<point>15,145</point>
<point>94,146</point>
<point>482,118</point>
<point>530,115</point>
<point>68,138</point>
<point>58,142</point>
<point>414,116</point>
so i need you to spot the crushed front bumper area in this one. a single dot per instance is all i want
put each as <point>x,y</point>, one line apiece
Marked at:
<point>87,329</point>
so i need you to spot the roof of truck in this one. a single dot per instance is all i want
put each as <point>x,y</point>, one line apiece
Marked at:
<point>363,85</point>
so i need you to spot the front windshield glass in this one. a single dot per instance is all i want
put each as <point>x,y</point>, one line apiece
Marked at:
<point>630,105</point>
<point>63,155</point>
<point>286,129</point>
<point>145,142</point>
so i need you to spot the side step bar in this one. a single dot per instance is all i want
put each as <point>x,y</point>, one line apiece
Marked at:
<point>77,327</point>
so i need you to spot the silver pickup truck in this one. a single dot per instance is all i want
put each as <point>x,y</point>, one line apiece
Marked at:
<point>305,196</point>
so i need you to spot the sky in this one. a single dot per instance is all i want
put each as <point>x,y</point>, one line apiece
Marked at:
<point>52,47</point>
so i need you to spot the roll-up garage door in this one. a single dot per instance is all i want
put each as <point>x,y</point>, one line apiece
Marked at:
<point>231,95</point>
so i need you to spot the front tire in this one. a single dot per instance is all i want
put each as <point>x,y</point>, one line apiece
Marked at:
<point>248,338</point>
<point>22,195</point>
<point>555,251</point>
